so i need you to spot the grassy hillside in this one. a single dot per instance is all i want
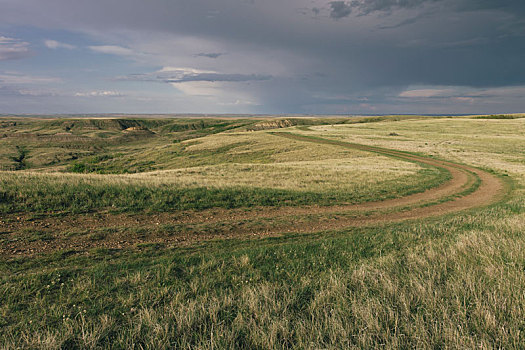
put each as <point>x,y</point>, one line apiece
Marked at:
<point>452,281</point>
<point>165,165</point>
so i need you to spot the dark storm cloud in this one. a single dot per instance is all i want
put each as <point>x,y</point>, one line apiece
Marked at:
<point>511,6</point>
<point>340,9</point>
<point>344,8</point>
<point>381,47</point>
<point>368,6</point>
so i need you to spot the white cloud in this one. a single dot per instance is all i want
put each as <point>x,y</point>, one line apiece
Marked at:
<point>239,103</point>
<point>198,88</point>
<point>13,78</point>
<point>101,93</point>
<point>178,75</point>
<point>11,48</point>
<point>113,50</point>
<point>463,99</point>
<point>53,44</point>
<point>185,70</point>
<point>38,93</point>
<point>214,94</point>
<point>426,93</point>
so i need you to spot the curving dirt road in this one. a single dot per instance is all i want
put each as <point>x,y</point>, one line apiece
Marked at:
<point>467,188</point>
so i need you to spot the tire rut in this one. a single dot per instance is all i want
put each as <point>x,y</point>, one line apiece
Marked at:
<point>443,199</point>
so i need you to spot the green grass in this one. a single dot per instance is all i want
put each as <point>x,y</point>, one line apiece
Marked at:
<point>57,142</point>
<point>34,193</point>
<point>449,282</point>
<point>446,282</point>
<point>217,144</point>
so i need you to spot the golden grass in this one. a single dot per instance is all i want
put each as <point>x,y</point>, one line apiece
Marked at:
<point>276,148</point>
<point>490,143</point>
<point>328,174</point>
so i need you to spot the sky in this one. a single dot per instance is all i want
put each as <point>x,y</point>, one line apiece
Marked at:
<point>262,56</point>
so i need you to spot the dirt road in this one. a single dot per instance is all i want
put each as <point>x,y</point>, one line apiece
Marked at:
<point>467,188</point>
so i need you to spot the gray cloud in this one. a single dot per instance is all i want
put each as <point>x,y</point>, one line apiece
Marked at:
<point>368,6</point>
<point>14,91</point>
<point>8,91</point>
<point>113,50</point>
<point>340,9</point>
<point>184,75</point>
<point>209,54</point>
<point>378,46</point>
<point>510,6</point>
<point>99,93</point>
<point>216,77</point>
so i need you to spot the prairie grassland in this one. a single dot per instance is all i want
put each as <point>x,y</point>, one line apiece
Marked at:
<point>105,145</point>
<point>229,186</point>
<point>329,174</point>
<point>491,143</point>
<point>229,170</point>
<point>448,282</point>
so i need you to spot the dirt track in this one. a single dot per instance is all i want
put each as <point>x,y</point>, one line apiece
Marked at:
<point>479,187</point>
